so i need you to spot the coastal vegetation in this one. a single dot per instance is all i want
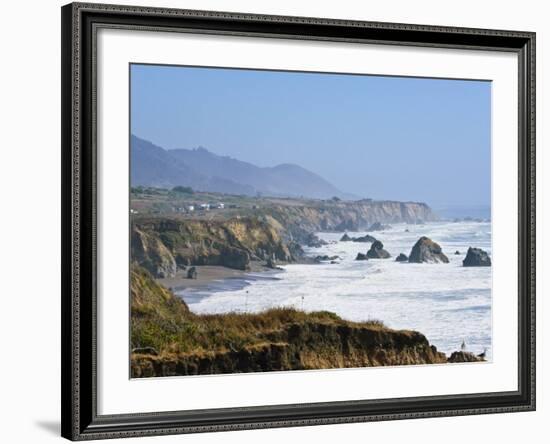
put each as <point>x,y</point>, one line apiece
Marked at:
<point>476,257</point>
<point>182,189</point>
<point>167,339</point>
<point>174,228</point>
<point>240,233</point>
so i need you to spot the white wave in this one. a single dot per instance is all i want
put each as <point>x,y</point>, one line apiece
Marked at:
<point>447,302</point>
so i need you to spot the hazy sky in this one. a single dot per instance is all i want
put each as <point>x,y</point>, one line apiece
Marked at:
<point>381,137</point>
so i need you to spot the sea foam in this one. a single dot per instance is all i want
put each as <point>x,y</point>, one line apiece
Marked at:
<point>448,303</point>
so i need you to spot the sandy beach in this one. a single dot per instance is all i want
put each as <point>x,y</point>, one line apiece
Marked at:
<point>206,274</point>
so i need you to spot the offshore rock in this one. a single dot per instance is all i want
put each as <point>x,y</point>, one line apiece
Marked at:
<point>365,239</point>
<point>192,273</point>
<point>325,257</point>
<point>426,250</point>
<point>476,257</point>
<point>401,258</point>
<point>312,240</point>
<point>377,226</point>
<point>377,251</point>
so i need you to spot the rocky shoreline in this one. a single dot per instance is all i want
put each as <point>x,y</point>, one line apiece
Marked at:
<point>164,245</point>
<point>216,277</point>
<point>167,339</point>
<point>179,253</point>
<point>276,233</point>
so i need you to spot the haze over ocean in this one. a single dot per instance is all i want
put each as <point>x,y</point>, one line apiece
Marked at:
<point>380,137</point>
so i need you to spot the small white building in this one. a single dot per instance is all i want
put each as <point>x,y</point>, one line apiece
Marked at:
<point>205,206</point>
<point>191,208</point>
<point>221,205</point>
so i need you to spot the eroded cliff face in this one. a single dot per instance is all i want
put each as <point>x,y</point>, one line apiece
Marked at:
<point>168,340</point>
<point>304,347</point>
<point>151,253</point>
<point>348,216</point>
<point>360,214</point>
<point>274,233</point>
<point>232,243</point>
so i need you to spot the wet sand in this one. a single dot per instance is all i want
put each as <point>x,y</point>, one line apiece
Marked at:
<point>206,274</point>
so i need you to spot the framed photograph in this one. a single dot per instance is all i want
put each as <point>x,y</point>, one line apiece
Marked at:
<point>281,221</point>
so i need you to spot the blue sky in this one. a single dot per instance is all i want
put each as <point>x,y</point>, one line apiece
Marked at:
<point>381,137</point>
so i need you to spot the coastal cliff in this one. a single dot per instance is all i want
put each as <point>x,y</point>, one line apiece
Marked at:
<point>168,340</point>
<point>161,244</point>
<point>349,216</point>
<point>273,232</point>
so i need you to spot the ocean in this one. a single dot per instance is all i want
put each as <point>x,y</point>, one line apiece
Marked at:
<point>448,303</point>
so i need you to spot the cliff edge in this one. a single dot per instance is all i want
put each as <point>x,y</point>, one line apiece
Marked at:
<point>168,340</point>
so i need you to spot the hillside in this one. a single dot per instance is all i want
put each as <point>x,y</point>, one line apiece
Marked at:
<point>168,340</point>
<point>151,165</point>
<point>203,170</point>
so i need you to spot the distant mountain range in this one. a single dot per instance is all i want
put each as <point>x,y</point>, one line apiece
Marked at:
<point>203,170</point>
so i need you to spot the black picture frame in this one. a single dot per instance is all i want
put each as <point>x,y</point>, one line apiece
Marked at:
<point>80,420</point>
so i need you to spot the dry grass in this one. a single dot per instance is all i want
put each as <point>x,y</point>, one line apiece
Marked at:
<point>163,321</point>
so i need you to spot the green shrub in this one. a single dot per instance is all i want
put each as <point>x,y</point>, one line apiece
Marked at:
<point>183,190</point>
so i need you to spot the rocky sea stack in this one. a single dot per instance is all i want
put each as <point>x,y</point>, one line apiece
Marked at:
<point>377,226</point>
<point>476,257</point>
<point>365,239</point>
<point>312,240</point>
<point>324,258</point>
<point>426,250</point>
<point>377,251</point>
<point>192,273</point>
<point>401,258</point>
<point>272,264</point>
